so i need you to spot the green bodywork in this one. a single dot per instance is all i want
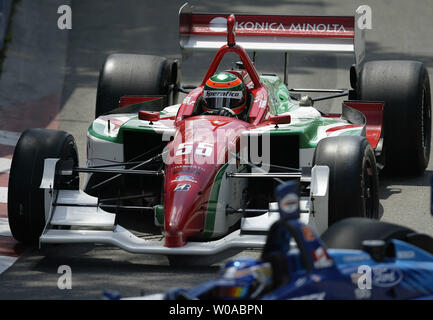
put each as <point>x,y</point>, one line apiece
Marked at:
<point>279,102</point>
<point>307,128</point>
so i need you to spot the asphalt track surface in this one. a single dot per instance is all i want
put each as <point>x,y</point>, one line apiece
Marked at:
<point>59,69</point>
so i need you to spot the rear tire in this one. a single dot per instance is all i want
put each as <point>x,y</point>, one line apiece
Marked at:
<point>26,201</point>
<point>405,88</point>
<point>132,74</point>
<point>353,178</point>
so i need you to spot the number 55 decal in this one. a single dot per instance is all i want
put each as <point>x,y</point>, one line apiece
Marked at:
<point>203,149</point>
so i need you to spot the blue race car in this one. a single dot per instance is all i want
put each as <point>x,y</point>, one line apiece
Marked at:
<point>355,258</point>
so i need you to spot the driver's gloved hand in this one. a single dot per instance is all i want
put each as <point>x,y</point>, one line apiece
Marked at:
<point>224,113</point>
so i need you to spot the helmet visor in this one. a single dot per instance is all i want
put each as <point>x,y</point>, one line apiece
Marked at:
<point>217,99</point>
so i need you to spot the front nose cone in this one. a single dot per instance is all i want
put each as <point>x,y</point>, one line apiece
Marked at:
<point>181,223</point>
<point>176,217</point>
<point>174,239</point>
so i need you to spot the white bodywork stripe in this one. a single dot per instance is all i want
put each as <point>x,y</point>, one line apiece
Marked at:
<point>296,44</point>
<point>100,151</point>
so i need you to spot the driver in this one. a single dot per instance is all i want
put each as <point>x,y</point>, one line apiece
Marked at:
<point>224,94</point>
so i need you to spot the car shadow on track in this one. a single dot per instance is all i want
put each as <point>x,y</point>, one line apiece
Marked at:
<point>95,269</point>
<point>390,185</point>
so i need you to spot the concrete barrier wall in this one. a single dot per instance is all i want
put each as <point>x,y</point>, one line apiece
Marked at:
<point>5,11</point>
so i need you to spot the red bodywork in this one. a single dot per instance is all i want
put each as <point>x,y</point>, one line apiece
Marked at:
<point>201,147</point>
<point>373,112</point>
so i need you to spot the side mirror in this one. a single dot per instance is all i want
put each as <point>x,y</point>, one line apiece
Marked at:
<point>280,119</point>
<point>148,115</point>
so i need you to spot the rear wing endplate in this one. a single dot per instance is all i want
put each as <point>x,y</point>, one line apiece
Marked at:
<point>274,33</point>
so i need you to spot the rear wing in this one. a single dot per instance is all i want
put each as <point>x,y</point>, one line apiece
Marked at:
<point>275,33</point>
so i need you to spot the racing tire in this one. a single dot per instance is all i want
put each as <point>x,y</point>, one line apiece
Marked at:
<point>353,177</point>
<point>132,74</point>
<point>351,232</point>
<point>405,88</point>
<point>26,201</point>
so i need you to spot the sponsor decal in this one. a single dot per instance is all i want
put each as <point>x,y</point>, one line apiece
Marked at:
<point>188,168</point>
<point>219,24</point>
<point>281,25</point>
<point>321,258</point>
<point>185,178</point>
<point>409,254</point>
<point>385,276</point>
<point>222,94</point>
<point>303,27</point>
<point>380,276</point>
<point>354,258</point>
<point>189,171</point>
<point>182,187</point>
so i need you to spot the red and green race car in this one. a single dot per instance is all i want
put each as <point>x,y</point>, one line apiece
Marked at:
<point>205,174</point>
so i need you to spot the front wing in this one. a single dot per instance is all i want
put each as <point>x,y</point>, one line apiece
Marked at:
<point>76,209</point>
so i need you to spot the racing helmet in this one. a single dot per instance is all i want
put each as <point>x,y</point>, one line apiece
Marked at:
<point>224,89</point>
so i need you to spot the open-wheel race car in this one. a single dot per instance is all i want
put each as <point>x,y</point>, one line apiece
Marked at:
<point>206,168</point>
<point>356,258</point>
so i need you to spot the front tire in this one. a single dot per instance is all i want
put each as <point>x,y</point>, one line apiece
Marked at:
<point>26,201</point>
<point>353,177</point>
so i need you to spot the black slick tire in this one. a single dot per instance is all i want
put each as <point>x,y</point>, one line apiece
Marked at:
<point>26,201</point>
